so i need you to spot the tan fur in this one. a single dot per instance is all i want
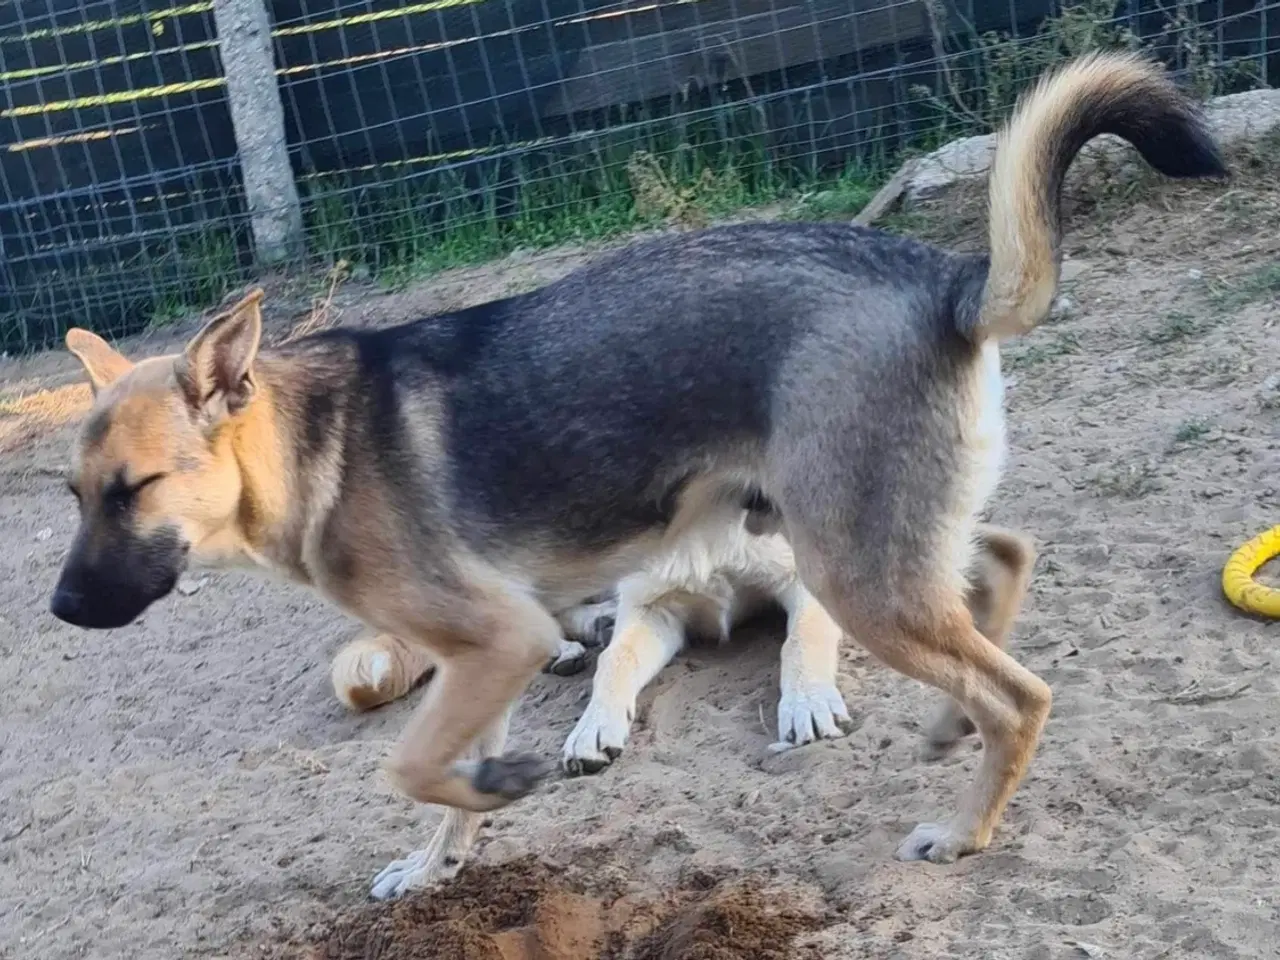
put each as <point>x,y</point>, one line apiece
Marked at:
<point>102,364</point>
<point>222,427</point>
<point>938,643</point>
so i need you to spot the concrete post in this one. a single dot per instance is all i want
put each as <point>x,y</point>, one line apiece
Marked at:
<point>244,40</point>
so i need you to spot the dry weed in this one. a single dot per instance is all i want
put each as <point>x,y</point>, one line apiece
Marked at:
<point>323,314</point>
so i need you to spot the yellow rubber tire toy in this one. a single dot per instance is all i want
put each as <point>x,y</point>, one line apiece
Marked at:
<point>1237,576</point>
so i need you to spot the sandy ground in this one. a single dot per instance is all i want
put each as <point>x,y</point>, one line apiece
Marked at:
<point>189,787</point>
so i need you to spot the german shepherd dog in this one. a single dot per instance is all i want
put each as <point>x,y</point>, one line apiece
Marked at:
<point>708,584</point>
<point>455,480</point>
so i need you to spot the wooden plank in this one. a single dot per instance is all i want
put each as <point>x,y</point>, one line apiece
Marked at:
<point>105,212</point>
<point>886,196</point>
<point>75,148</point>
<point>674,46</point>
<point>462,77</point>
<point>708,43</point>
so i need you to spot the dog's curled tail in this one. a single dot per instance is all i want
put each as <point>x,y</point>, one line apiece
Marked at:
<point>1118,93</point>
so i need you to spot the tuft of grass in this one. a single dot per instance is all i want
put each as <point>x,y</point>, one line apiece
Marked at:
<point>1261,284</point>
<point>1064,344</point>
<point>25,416</point>
<point>1174,327</point>
<point>842,198</point>
<point>196,273</point>
<point>984,74</point>
<point>1127,481</point>
<point>1192,431</point>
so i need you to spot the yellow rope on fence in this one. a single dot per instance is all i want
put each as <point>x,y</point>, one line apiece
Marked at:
<point>1237,576</point>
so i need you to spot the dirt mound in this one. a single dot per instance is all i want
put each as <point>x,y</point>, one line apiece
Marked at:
<point>530,910</point>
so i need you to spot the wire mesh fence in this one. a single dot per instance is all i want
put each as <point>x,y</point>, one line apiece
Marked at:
<point>424,135</point>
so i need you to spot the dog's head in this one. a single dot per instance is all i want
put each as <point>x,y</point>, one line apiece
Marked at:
<point>154,470</point>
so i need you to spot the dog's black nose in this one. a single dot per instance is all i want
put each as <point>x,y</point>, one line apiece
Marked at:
<point>68,605</point>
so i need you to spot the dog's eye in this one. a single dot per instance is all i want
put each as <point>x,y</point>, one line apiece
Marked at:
<point>146,482</point>
<point>120,495</point>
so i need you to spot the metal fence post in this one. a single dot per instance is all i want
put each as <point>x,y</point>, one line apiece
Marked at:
<point>244,40</point>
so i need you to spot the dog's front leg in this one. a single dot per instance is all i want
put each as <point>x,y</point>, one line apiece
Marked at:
<point>646,639</point>
<point>811,706</point>
<point>476,684</point>
<point>448,849</point>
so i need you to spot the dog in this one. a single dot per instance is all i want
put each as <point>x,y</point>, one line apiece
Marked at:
<point>454,480</point>
<point>706,586</point>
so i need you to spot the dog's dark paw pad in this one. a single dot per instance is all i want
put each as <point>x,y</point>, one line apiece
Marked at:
<point>510,777</point>
<point>944,735</point>
<point>584,767</point>
<point>570,659</point>
<point>567,667</point>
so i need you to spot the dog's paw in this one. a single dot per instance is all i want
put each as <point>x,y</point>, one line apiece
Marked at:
<point>809,713</point>
<point>937,843</point>
<point>420,869</point>
<point>598,738</point>
<point>511,776</point>
<point>592,623</point>
<point>570,658</point>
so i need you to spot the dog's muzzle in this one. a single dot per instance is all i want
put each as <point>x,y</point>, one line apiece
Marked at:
<point>116,588</point>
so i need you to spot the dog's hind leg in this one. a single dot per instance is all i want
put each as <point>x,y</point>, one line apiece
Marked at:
<point>646,638</point>
<point>937,643</point>
<point>912,616</point>
<point>997,584</point>
<point>449,847</point>
<point>811,706</point>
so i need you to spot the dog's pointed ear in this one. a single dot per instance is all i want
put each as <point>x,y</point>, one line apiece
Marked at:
<point>102,363</point>
<point>216,369</point>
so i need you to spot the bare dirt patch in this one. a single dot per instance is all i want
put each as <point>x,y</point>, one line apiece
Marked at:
<point>529,910</point>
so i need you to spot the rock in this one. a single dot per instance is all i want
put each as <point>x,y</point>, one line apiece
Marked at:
<point>1062,308</point>
<point>189,586</point>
